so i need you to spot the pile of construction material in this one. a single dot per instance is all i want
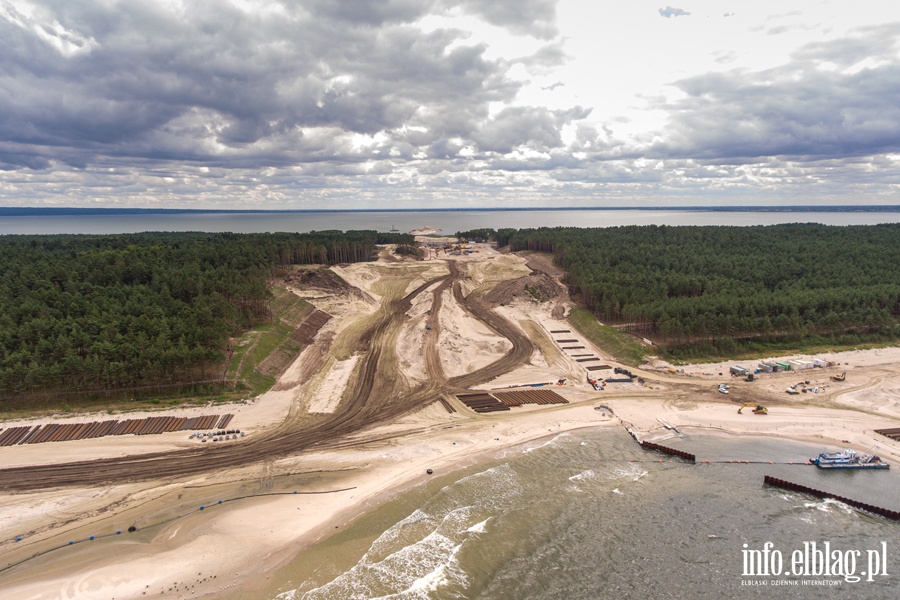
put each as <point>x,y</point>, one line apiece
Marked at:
<point>482,402</point>
<point>518,398</point>
<point>446,404</point>
<point>64,432</point>
<point>628,376</point>
<point>894,433</point>
<point>218,436</point>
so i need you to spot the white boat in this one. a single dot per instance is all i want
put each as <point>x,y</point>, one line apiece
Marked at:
<point>848,459</point>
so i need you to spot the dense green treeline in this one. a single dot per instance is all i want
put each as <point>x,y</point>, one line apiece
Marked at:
<point>701,290</point>
<point>89,314</point>
<point>501,236</point>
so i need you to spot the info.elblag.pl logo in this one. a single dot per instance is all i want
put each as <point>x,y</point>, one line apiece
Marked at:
<point>813,564</point>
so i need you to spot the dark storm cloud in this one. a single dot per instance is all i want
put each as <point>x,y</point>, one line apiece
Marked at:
<point>209,83</point>
<point>807,110</point>
<point>11,161</point>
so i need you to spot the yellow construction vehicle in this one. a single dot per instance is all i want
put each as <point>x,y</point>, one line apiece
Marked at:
<point>758,409</point>
<point>840,377</point>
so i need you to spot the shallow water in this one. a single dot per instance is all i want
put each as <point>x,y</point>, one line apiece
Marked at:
<point>576,518</point>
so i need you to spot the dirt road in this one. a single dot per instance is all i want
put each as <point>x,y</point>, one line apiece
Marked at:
<point>374,399</point>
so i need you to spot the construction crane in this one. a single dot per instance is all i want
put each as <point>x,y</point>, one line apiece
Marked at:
<point>758,409</point>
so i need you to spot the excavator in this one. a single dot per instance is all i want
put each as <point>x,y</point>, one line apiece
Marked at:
<point>840,377</point>
<point>758,409</point>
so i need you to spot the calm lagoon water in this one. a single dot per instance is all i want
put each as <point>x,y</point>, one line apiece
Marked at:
<point>448,221</point>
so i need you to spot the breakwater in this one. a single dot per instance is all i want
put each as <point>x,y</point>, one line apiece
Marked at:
<point>796,487</point>
<point>670,451</point>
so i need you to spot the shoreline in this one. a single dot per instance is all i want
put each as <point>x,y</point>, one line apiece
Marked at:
<point>368,504</point>
<point>378,476</point>
<point>313,521</point>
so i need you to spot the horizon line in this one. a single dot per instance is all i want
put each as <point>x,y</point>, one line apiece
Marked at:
<point>12,211</point>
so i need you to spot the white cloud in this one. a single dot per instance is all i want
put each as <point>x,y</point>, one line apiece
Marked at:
<point>42,25</point>
<point>670,13</point>
<point>295,104</point>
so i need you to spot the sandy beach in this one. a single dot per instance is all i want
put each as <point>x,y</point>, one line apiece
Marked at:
<point>224,550</point>
<point>425,230</point>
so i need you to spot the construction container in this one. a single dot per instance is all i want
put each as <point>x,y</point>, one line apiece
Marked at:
<point>800,365</point>
<point>738,371</point>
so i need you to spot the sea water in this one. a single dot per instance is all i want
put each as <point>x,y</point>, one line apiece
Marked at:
<point>449,222</point>
<point>592,515</point>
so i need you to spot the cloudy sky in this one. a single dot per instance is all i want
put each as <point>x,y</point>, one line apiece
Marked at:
<point>448,103</point>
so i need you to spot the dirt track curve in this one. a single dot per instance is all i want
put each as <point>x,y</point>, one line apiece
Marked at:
<point>371,402</point>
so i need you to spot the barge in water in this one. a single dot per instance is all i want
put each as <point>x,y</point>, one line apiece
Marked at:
<point>848,459</point>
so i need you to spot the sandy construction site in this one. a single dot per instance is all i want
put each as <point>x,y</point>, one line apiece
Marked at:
<point>362,413</point>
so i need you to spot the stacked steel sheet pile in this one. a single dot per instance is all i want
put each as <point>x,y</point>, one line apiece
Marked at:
<point>54,432</point>
<point>518,398</point>
<point>126,427</point>
<point>97,429</point>
<point>482,402</point>
<point>190,423</point>
<point>153,425</point>
<point>447,405</point>
<point>200,423</point>
<point>207,422</point>
<point>64,432</point>
<point>894,434</point>
<point>14,435</point>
